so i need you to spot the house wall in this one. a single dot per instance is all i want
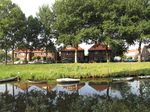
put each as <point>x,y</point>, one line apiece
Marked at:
<point>145,53</point>
<point>71,54</point>
<point>97,55</point>
<point>21,54</point>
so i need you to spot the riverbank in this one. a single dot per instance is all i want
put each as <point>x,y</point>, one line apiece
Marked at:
<point>80,70</point>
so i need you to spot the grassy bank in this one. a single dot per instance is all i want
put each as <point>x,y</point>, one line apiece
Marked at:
<point>53,71</point>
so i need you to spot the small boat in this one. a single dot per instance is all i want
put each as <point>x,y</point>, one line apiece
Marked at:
<point>144,77</point>
<point>10,79</point>
<point>35,81</point>
<point>68,80</point>
<point>123,79</point>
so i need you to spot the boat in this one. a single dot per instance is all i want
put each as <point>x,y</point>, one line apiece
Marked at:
<point>67,80</point>
<point>35,81</point>
<point>123,79</point>
<point>144,77</point>
<point>10,79</point>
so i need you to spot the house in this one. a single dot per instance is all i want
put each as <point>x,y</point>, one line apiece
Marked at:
<point>96,53</point>
<point>145,53</point>
<point>42,53</point>
<point>68,54</point>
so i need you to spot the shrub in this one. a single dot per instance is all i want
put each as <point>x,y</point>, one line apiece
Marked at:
<point>16,59</point>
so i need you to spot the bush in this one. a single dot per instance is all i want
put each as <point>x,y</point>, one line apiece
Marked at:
<point>36,57</point>
<point>16,59</point>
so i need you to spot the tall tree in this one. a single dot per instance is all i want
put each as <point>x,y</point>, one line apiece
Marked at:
<point>31,33</point>
<point>46,18</point>
<point>135,23</point>
<point>11,23</point>
<point>72,22</point>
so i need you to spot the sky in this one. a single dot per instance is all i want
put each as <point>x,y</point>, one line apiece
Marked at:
<point>31,7</point>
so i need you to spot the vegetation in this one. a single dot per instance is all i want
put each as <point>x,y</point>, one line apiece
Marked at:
<point>115,23</point>
<point>51,101</point>
<point>53,71</point>
<point>12,22</point>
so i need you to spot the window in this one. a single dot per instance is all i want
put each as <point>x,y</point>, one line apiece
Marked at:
<point>69,53</point>
<point>96,52</point>
<point>41,53</point>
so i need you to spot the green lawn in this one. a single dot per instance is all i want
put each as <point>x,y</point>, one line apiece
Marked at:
<point>53,71</point>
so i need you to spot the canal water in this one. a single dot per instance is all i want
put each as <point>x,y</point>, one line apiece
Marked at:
<point>89,87</point>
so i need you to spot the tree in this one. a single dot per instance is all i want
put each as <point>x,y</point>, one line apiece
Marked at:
<point>111,15</point>
<point>11,23</point>
<point>135,23</point>
<point>30,36</point>
<point>73,20</point>
<point>45,16</point>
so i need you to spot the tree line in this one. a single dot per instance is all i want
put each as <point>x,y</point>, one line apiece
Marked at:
<point>115,23</point>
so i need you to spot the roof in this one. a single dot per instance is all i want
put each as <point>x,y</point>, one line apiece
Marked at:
<point>99,46</point>
<point>73,49</point>
<point>37,50</point>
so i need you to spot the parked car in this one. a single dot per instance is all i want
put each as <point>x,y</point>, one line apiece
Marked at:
<point>17,62</point>
<point>32,62</point>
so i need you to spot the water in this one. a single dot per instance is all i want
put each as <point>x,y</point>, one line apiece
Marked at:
<point>111,89</point>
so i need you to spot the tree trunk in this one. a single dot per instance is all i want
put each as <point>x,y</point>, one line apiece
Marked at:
<point>76,55</point>
<point>13,56</point>
<point>26,57</point>
<point>46,52</point>
<point>6,56</point>
<point>139,55</point>
<point>107,54</point>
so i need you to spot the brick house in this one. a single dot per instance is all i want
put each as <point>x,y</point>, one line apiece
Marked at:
<point>69,52</point>
<point>98,52</point>
<point>42,53</point>
<point>145,53</point>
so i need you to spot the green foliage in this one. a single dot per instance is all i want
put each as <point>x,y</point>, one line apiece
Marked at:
<point>123,56</point>
<point>73,23</point>
<point>129,58</point>
<point>36,57</point>
<point>16,59</point>
<point>11,27</point>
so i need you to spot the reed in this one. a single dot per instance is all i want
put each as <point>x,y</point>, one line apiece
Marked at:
<point>80,70</point>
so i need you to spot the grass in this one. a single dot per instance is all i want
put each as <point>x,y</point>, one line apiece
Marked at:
<point>53,71</point>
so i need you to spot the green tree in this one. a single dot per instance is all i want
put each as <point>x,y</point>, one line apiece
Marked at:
<point>135,22</point>
<point>72,22</point>
<point>45,16</point>
<point>11,23</point>
<point>111,15</point>
<point>30,35</point>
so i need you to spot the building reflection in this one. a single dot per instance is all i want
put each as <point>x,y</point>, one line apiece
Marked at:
<point>79,88</point>
<point>137,87</point>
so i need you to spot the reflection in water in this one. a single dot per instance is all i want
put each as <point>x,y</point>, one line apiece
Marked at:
<point>22,97</point>
<point>114,89</point>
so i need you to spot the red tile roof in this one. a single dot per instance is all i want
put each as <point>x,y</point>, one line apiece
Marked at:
<point>73,49</point>
<point>99,46</point>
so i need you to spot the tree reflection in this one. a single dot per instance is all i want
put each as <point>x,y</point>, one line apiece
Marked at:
<point>38,101</point>
<point>122,87</point>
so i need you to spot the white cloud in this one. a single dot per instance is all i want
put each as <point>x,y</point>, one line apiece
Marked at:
<point>30,7</point>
